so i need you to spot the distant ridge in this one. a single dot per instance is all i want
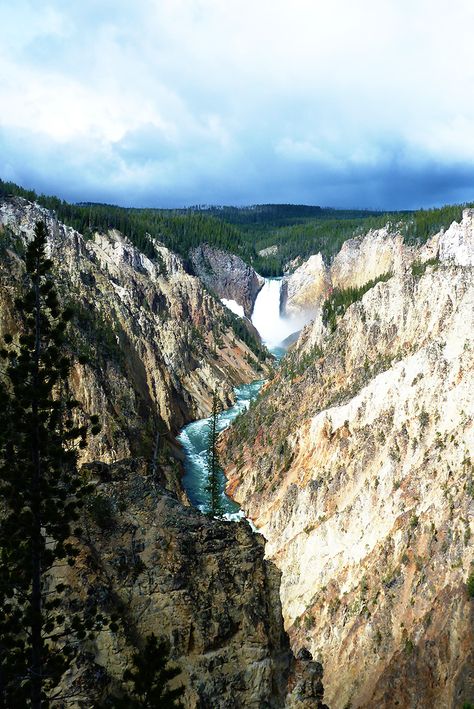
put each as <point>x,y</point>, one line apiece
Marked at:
<point>297,230</point>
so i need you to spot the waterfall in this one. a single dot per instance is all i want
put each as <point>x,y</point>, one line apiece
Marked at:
<point>266,317</point>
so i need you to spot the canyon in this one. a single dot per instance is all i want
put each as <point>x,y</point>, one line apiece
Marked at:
<point>353,463</point>
<point>151,348</point>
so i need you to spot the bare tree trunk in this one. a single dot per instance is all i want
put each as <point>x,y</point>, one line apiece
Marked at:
<point>2,682</point>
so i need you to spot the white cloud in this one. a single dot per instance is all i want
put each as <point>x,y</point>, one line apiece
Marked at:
<point>192,95</point>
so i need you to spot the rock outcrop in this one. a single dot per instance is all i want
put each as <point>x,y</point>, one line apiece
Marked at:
<point>159,344</point>
<point>357,466</point>
<point>360,260</point>
<point>364,259</point>
<point>202,584</point>
<point>227,275</point>
<point>456,244</point>
<point>306,289</point>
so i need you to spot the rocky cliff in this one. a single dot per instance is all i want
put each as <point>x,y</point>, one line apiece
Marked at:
<point>202,583</point>
<point>356,464</point>
<point>227,275</point>
<point>360,260</point>
<point>158,344</point>
<point>305,290</point>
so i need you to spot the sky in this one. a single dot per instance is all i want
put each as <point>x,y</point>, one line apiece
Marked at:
<point>171,103</point>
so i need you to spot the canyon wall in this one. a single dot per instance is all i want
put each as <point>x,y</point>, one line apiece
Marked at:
<point>227,276</point>
<point>201,583</point>
<point>305,290</point>
<point>158,343</point>
<point>360,260</point>
<point>356,465</point>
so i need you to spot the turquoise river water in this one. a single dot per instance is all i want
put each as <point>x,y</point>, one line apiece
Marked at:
<point>194,437</point>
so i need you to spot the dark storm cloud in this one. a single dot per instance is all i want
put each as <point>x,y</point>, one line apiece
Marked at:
<point>199,101</point>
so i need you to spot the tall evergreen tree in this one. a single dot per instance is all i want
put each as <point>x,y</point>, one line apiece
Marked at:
<point>41,492</point>
<point>213,464</point>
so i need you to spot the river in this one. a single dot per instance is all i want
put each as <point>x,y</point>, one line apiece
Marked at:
<point>193,437</point>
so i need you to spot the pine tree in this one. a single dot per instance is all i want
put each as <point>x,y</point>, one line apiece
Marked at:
<point>149,679</point>
<point>42,493</point>
<point>213,464</point>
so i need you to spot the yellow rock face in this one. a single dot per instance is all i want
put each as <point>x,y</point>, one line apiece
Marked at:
<point>357,466</point>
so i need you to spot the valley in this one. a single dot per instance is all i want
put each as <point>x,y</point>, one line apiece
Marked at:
<point>237,355</point>
<point>346,441</point>
<point>273,329</point>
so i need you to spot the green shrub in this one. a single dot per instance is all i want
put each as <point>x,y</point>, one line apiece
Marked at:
<point>93,335</point>
<point>424,419</point>
<point>340,299</point>
<point>418,268</point>
<point>101,510</point>
<point>293,366</point>
<point>470,585</point>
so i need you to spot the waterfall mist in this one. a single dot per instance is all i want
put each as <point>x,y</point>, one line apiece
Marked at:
<point>266,317</point>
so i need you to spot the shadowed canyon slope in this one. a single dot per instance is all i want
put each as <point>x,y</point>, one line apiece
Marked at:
<point>356,464</point>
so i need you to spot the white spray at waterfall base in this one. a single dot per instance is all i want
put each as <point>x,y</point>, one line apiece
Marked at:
<point>234,306</point>
<point>271,325</point>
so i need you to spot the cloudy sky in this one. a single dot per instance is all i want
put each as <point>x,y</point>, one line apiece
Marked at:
<point>175,102</point>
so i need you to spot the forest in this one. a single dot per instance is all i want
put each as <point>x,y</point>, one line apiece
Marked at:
<point>294,231</point>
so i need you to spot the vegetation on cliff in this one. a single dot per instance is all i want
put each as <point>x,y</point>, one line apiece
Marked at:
<point>341,298</point>
<point>147,681</point>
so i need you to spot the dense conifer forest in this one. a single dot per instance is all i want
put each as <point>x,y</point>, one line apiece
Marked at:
<point>288,231</point>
